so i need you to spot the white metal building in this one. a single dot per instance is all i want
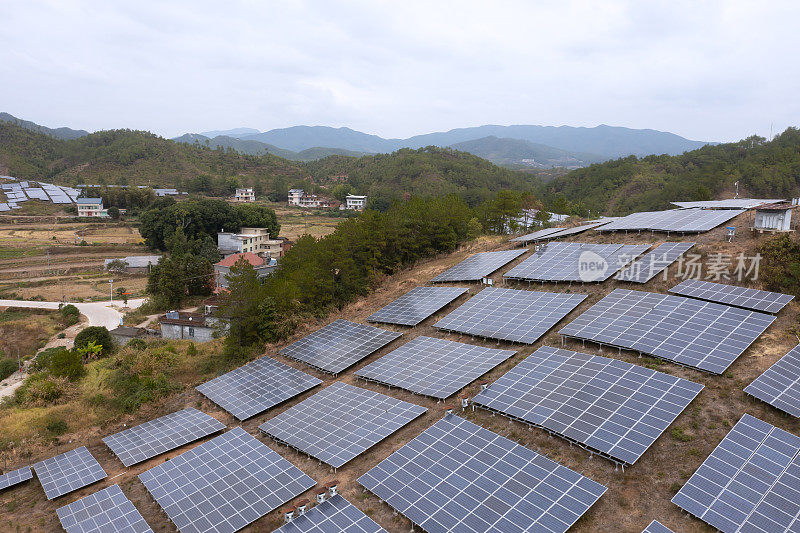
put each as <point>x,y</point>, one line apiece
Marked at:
<point>775,217</point>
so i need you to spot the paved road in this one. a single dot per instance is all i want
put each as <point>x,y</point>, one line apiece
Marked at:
<point>98,313</point>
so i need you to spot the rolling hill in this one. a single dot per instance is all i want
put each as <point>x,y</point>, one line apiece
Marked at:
<point>58,133</point>
<point>253,147</point>
<point>519,153</point>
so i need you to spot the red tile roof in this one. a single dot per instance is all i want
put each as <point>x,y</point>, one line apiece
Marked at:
<point>251,258</point>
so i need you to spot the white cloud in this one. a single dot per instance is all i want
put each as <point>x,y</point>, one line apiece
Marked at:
<point>706,70</point>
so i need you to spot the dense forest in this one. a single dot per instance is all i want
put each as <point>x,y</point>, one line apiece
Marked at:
<point>762,168</point>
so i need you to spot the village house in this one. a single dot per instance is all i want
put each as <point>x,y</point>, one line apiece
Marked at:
<point>263,267</point>
<point>356,202</point>
<point>245,195</point>
<point>190,326</point>
<point>255,240</point>
<point>133,264</point>
<point>90,207</point>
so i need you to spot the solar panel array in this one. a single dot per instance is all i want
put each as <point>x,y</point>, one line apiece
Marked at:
<point>779,385</point>
<point>656,527</point>
<point>416,305</point>
<point>562,261</point>
<point>556,233</point>
<point>68,471</point>
<point>769,302</point>
<point>339,345</point>
<point>224,484</point>
<point>104,511</point>
<point>750,482</point>
<point>340,422</point>
<point>703,335</point>
<point>165,433</point>
<point>653,263</point>
<point>478,266</point>
<point>737,203</point>
<point>510,314</point>
<point>9,479</point>
<point>458,476</point>
<point>334,514</point>
<point>256,387</point>
<point>433,367</point>
<point>678,220</point>
<point>609,406</point>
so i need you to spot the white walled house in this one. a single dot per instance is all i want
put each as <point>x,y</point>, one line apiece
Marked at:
<point>356,202</point>
<point>90,207</point>
<point>245,195</point>
<point>294,196</point>
<point>255,240</point>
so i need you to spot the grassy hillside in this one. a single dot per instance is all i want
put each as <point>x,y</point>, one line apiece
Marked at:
<point>763,169</point>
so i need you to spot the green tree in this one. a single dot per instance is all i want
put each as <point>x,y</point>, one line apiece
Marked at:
<point>113,212</point>
<point>99,336</point>
<point>67,363</point>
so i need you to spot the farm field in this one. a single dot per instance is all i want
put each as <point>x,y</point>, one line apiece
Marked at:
<point>636,495</point>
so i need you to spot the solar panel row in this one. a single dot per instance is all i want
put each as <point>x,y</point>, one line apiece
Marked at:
<point>416,305</point>
<point>654,262</point>
<point>779,385</point>
<point>574,261</point>
<point>9,479</point>
<point>458,476</point>
<point>609,406</point>
<point>433,367</point>
<point>334,514</point>
<point>703,335</point>
<point>340,422</point>
<point>693,220</point>
<point>656,527</point>
<point>749,483</point>
<point>478,266</point>
<point>105,511</point>
<point>68,471</point>
<point>165,433</point>
<point>556,233</point>
<point>256,387</point>
<point>769,302</point>
<point>339,345</point>
<point>509,314</point>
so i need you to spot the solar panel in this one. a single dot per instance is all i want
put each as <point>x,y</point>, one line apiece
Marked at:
<point>339,345</point>
<point>510,314</point>
<point>540,235</point>
<point>750,482</point>
<point>704,335</point>
<point>104,511</point>
<point>654,262</point>
<point>339,422</point>
<point>36,193</point>
<point>14,477</point>
<point>457,476</point>
<point>334,514</point>
<point>224,484</point>
<point>737,203</point>
<point>165,433</point>
<point>478,266</point>
<point>567,261</point>
<point>68,471</point>
<point>769,302</point>
<point>608,406</point>
<point>779,385</point>
<point>433,367</point>
<point>256,387</point>
<point>677,220</point>
<point>656,527</point>
<point>416,305</point>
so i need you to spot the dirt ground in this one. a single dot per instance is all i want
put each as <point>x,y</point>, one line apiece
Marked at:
<point>297,221</point>
<point>636,495</point>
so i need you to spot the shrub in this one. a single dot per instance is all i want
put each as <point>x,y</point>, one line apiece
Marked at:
<point>136,344</point>
<point>780,264</point>
<point>67,364</point>
<point>54,424</point>
<point>7,367</point>
<point>39,390</point>
<point>62,335</point>
<point>41,362</point>
<point>100,336</point>
<point>70,315</point>
<point>191,351</point>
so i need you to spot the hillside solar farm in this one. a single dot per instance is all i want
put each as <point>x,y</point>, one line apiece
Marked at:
<point>582,382</point>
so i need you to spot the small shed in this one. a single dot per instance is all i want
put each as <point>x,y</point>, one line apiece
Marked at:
<point>774,217</point>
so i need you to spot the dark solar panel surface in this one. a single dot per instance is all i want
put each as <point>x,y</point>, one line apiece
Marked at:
<point>433,367</point>
<point>566,261</point>
<point>416,305</point>
<point>105,511</point>
<point>333,515</point>
<point>769,302</point>
<point>750,482</point>
<point>68,471</point>
<point>703,335</point>
<point>224,484</point>
<point>339,345</point>
<point>542,234</point>
<point>654,262</point>
<point>9,479</point>
<point>609,406</point>
<point>509,314</point>
<point>478,266</point>
<point>779,385</point>
<point>458,476</point>
<point>656,527</point>
<point>340,422</point>
<point>256,387</point>
<point>165,433</point>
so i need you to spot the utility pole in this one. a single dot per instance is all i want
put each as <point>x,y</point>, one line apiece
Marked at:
<point>111,282</point>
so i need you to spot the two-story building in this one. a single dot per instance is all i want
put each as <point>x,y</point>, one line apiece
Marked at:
<point>356,202</point>
<point>90,207</point>
<point>190,326</point>
<point>245,195</point>
<point>294,196</point>
<point>255,240</point>
<point>263,267</point>
<point>301,198</point>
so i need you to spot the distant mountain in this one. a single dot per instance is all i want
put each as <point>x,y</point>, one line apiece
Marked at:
<point>235,132</point>
<point>59,133</point>
<point>253,147</point>
<point>608,142</point>
<point>519,153</point>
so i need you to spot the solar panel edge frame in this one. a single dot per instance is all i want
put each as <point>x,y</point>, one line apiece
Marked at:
<point>449,302</point>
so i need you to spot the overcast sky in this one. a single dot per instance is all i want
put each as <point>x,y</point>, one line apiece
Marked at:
<point>706,70</point>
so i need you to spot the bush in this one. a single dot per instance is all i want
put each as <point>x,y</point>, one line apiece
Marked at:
<point>67,364</point>
<point>780,265</point>
<point>136,344</point>
<point>41,362</point>
<point>40,390</point>
<point>7,367</point>
<point>54,424</point>
<point>100,336</point>
<point>70,315</point>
